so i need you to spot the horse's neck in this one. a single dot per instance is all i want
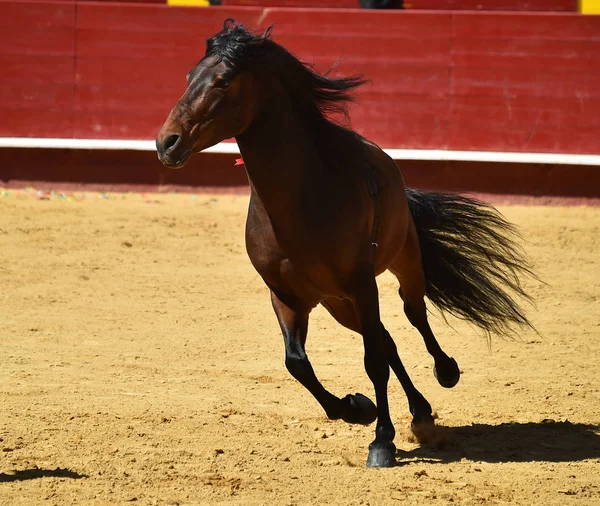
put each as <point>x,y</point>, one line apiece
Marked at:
<point>281,158</point>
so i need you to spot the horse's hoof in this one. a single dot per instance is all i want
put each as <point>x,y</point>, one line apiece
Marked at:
<point>381,454</point>
<point>359,409</point>
<point>447,373</point>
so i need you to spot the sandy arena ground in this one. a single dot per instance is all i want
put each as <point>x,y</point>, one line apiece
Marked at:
<point>142,364</point>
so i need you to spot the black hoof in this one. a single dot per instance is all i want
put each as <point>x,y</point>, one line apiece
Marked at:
<point>381,455</point>
<point>359,409</point>
<point>447,372</point>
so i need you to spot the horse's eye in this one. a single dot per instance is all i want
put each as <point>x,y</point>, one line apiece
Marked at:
<point>221,83</point>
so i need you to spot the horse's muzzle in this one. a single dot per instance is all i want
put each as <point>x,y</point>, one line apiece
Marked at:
<point>169,152</point>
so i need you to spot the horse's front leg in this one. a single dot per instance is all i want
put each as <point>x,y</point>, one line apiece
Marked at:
<point>293,320</point>
<point>382,451</point>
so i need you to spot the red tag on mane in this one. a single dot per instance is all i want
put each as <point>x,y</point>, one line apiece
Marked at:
<point>239,161</point>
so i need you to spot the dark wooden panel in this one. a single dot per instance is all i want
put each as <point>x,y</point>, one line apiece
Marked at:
<point>140,171</point>
<point>503,178</point>
<point>107,168</point>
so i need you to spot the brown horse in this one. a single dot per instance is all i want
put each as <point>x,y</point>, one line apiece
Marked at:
<point>329,212</point>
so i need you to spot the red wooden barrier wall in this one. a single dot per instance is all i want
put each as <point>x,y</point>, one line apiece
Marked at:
<point>495,5</point>
<point>313,4</point>
<point>485,5</point>
<point>37,61</point>
<point>455,80</point>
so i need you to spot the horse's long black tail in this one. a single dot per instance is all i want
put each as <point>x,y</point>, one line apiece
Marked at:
<point>471,261</point>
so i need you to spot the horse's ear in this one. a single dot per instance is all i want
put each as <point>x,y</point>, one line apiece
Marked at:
<point>230,25</point>
<point>260,40</point>
<point>267,34</point>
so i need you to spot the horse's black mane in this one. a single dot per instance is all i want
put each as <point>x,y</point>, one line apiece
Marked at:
<point>315,95</point>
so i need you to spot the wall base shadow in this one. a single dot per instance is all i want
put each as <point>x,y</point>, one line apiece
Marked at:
<point>545,441</point>
<point>35,473</point>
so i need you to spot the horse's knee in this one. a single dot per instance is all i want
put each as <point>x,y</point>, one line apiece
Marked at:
<point>376,363</point>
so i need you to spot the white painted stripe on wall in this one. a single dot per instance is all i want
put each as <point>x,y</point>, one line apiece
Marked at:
<point>232,148</point>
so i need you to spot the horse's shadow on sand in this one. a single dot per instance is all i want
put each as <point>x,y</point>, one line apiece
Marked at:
<point>36,473</point>
<point>546,441</point>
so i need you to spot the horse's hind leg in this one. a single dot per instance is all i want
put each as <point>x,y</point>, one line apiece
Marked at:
<point>408,269</point>
<point>343,311</point>
<point>445,369</point>
<point>293,320</point>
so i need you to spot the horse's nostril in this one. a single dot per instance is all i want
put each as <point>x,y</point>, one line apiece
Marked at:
<point>170,142</point>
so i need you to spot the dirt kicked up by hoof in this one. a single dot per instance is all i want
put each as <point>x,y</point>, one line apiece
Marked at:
<point>429,434</point>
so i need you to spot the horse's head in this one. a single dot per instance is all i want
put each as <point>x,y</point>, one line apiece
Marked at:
<point>220,100</point>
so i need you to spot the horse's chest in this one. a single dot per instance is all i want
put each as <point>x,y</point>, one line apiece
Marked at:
<point>297,252</point>
<point>291,273</point>
<point>290,267</point>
